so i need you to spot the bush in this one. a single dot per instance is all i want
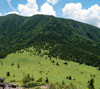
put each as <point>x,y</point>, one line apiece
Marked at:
<point>69,77</point>
<point>39,80</point>
<point>8,74</point>
<point>18,66</point>
<point>53,61</point>
<point>57,64</point>
<point>63,83</point>
<point>12,81</point>
<point>65,63</point>
<point>91,84</point>
<point>47,80</point>
<point>29,85</point>
<point>99,68</point>
<point>12,64</point>
<point>28,79</point>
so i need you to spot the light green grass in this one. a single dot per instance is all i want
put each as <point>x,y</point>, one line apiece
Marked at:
<point>30,64</point>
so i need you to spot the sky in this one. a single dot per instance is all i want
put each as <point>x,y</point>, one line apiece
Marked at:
<point>87,11</point>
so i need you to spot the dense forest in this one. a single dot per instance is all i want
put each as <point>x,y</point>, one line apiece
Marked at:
<point>63,38</point>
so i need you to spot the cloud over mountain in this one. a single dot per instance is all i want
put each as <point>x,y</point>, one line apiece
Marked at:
<point>47,9</point>
<point>0,14</point>
<point>31,8</point>
<point>76,12</point>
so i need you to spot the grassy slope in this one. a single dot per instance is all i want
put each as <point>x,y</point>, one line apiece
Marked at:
<point>30,64</point>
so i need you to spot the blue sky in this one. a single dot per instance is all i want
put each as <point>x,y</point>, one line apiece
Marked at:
<point>87,11</point>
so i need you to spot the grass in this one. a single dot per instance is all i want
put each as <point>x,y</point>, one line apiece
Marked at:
<point>41,67</point>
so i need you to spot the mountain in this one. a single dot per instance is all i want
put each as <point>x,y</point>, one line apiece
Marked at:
<point>60,38</point>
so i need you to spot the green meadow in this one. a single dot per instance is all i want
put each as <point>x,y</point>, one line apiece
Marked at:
<point>20,64</point>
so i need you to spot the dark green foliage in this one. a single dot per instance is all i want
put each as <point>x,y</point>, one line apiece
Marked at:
<point>65,63</point>
<point>63,83</point>
<point>12,64</point>
<point>69,77</point>
<point>47,80</point>
<point>91,84</point>
<point>30,85</point>
<point>27,79</point>
<point>18,66</point>
<point>53,61</point>
<point>99,68</point>
<point>64,39</point>
<point>12,81</point>
<point>57,64</point>
<point>92,75</point>
<point>8,74</point>
<point>39,80</point>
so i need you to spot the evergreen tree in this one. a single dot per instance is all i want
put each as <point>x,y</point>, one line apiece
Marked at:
<point>91,84</point>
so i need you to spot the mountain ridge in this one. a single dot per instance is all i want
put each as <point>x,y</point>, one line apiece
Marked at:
<point>63,38</point>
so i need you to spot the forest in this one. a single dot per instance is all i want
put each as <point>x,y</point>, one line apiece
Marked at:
<point>61,38</point>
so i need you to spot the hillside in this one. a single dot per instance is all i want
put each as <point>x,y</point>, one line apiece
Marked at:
<point>57,71</point>
<point>61,38</point>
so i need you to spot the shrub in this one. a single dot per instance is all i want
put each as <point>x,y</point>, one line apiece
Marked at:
<point>53,61</point>
<point>18,66</point>
<point>63,83</point>
<point>8,74</point>
<point>69,77</point>
<point>91,84</point>
<point>57,64</point>
<point>65,63</point>
<point>99,68</point>
<point>12,64</point>
<point>39,80</point>
<point>47,80</point>
<point>28,78</point>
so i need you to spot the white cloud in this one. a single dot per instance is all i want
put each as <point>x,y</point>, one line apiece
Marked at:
<point>31,8</point>
<point>47,9</point>
<point>0,14</point>
<point>76,12</point>
<point>53,2</point>
<point>28,9</point>
<point>9,3</point>
<point>13,12</point>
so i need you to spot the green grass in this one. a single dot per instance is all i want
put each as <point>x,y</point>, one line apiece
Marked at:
<point>35,64</point>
